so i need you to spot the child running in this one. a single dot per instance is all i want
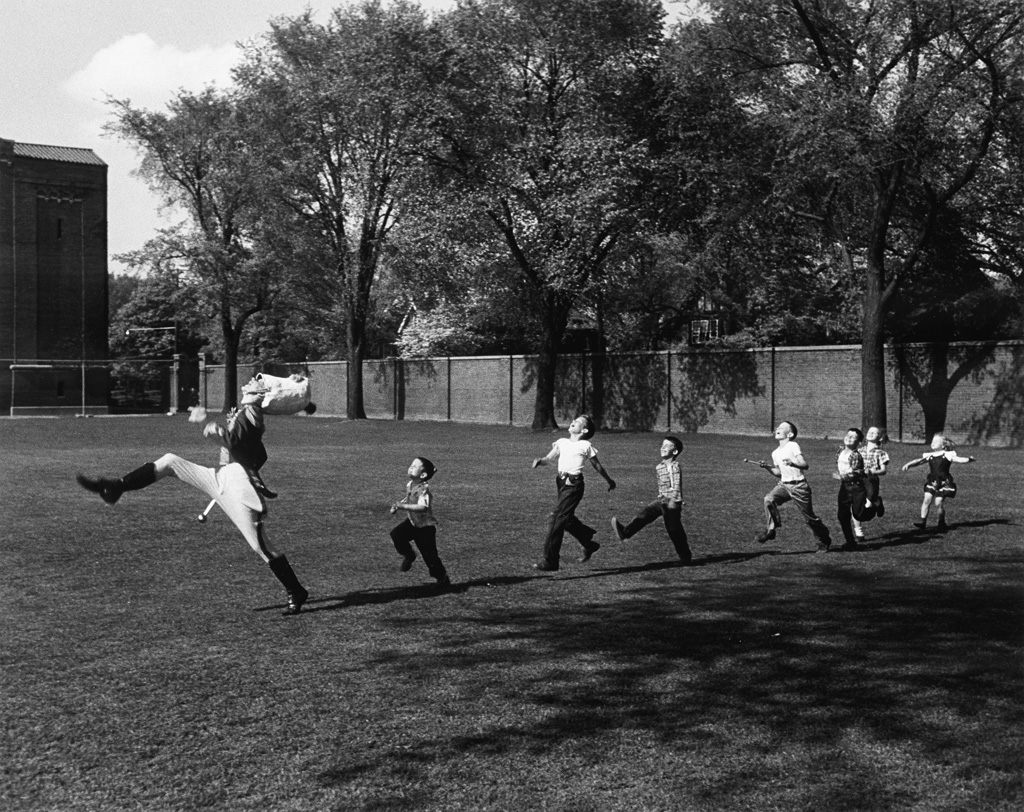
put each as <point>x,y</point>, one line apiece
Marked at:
<point>876,464</point>
<point>420,528</point>
<point>851,503</point>
<point>939,485</point>
<point>570,453</point>
<point>788,464</point>
<point>668,505</point>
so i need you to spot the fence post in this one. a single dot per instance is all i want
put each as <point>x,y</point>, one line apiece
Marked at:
<point>899,378</point>
<point>448,389</point>
<point>202,381</point>
<point>773,386</point>
<point>511,392</point>
<point>175,404</point>
<point>395,375</point>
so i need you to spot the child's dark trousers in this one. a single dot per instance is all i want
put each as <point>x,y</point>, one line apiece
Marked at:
<point>850,504</point>
<point>673,518</point>
<point>563,519</point>
<point>425,538</point>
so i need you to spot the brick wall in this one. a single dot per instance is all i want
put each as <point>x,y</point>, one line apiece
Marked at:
<point>713,391</point>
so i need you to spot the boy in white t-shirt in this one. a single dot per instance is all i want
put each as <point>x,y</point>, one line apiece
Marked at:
<point>571,452</point>
<point>788,464</point>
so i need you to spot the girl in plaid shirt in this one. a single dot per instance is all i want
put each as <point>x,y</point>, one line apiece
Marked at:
<point>876,462</point>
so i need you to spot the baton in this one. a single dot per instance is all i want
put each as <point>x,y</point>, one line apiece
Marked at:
<point>202,516</point>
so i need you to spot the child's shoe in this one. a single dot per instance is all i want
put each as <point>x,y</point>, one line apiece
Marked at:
<point>879,508</point>
<point>767,535</point>
<point>618,529</point>
<point>588,550</point>
<point>921,524</point>
<point>110,490</point>
<point>407,562</point>
<point>295,601</point>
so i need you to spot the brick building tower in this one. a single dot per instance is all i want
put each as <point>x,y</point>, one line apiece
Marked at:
<point>53,280</point>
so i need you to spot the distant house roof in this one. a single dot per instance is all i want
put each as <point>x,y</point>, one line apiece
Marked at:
<point>73,155</point>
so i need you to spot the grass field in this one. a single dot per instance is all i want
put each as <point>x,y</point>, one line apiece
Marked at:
<point>146,665</point>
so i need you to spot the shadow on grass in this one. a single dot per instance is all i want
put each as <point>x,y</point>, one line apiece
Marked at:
<point>913,537</point>
<point>369,597</point>
<point>872,667</point>
<point>423,591</point>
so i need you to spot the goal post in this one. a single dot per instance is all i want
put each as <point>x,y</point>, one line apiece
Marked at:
<point>93,386</point>
<point>66,385</point>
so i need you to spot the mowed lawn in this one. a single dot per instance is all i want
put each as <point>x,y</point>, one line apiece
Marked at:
<point>146,665</point>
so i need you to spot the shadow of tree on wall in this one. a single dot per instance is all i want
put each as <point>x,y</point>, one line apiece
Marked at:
<point>706,382</point>
<point>632,391</point>
<point>570,397</point>
<point>1004,417</point>
<point>635,391</point>
<point>932,371</point>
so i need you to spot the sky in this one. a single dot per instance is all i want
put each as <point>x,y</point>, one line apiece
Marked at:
<point>61,59</point>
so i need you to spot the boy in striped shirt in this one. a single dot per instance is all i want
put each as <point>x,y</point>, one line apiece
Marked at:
<point>668,505</point>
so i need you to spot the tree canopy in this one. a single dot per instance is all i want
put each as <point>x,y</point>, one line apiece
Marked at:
<point>805,170</point>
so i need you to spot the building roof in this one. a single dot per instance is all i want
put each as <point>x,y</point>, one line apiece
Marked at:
<point>73,155</point>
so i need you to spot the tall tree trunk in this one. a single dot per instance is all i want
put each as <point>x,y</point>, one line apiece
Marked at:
<point>544,402</point>
<point>354,405</point>
<point>598,364</point>
<point>878,289</point>
<point>556,317</point>
<point>937,390</point>
<point>231,341</point>
<point>923,370</point>
<point>872,359</point>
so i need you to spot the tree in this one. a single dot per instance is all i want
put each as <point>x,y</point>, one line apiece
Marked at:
<point>340,129</point>
<point>195,156</point>
<point>540,144</point>
<point>152,320</point>
<point>955,299</point>
<point>886,113</point>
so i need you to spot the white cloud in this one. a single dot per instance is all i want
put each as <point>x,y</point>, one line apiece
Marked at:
<point>137,68</point>
<point>149,75</point>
